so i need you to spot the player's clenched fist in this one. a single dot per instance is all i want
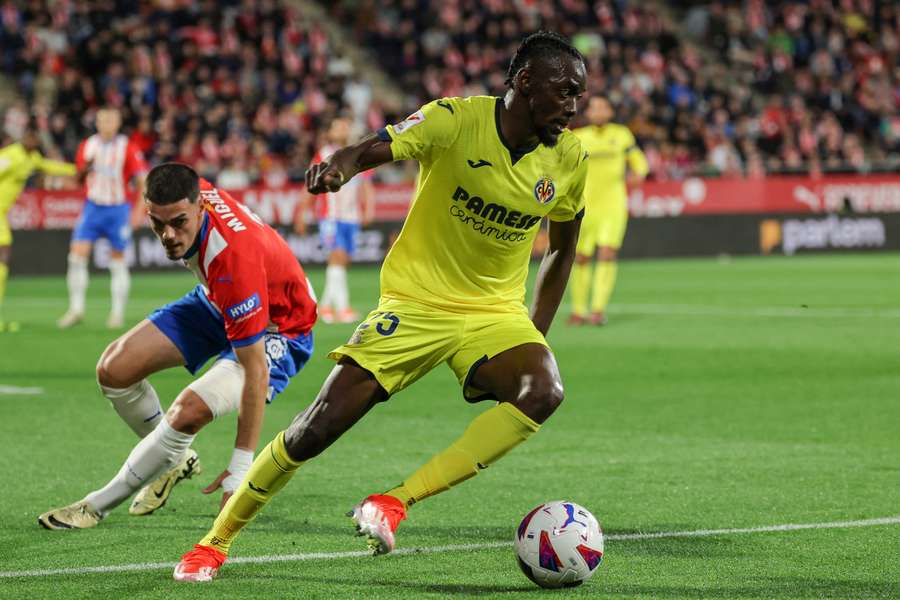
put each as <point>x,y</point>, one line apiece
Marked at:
<point>324,177</point>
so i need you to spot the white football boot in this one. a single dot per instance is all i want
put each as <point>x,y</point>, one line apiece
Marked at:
<point>70,319</point>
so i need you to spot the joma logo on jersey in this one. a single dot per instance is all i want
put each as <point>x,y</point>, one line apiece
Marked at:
<point>495,212</point>
<point>218,205</point>
<point>544,190</point>
<point>244,307</point>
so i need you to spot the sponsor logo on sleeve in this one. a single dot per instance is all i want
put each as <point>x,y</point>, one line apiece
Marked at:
<point>244,308</point>
<point>409,122</point>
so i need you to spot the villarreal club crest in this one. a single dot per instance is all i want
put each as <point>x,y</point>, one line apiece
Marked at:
<point>544,190</point>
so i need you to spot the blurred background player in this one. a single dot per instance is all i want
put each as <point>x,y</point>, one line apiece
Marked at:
<point>17,162</point>
<point>340,215</point>
<point>112,161</point>
<point>611,147</point>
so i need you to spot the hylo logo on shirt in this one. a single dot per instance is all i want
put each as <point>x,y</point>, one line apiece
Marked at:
<point>244,307</point>
<point>410,121</point>
<point>544,190</point>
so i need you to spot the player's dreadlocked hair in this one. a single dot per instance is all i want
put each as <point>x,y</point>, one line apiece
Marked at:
<point>172,182</point>
<point>543,44</point>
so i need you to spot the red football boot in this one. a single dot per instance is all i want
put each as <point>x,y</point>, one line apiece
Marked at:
<point>377,518</point>
<point>598,318</point>
<point>199,565</point>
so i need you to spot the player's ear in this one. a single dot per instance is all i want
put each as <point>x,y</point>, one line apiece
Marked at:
<point>523,82</point>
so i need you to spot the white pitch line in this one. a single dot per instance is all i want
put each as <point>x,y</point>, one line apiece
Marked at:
<point>704,310</point>
<point>12,390</point>
<point>764,529</point>
<point>247,560</point>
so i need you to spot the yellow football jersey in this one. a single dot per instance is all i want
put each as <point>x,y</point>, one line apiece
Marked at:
<point>17,165</point>
<point>466,243</point>
<point>609,147</point>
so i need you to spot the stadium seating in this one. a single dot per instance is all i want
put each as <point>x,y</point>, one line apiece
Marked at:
<point>240,89</point>
<point>805,87</point>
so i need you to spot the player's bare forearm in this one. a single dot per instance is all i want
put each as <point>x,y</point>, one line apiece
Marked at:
<point>253,396</point>
<point>553,274</point>
<point>330,174</point>
<point>139,209</point>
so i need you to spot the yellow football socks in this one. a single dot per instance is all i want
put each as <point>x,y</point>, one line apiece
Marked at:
<point>271,470</point>
<point>489,436</point>
<point>581,282</point>
<point>4,273</point>
<point>604,282</point>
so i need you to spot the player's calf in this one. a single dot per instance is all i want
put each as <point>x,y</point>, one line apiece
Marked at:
<point>347,395</point>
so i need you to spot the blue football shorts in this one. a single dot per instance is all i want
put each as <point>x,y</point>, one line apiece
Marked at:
<point>198,331</point>
<point>338,235</point>
<point>104,221</point>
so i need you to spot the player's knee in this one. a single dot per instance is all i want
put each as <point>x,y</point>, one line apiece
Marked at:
<point>541,399</point>
<point>109,368</point>
<point>553,396</point>
<point>188,414</point>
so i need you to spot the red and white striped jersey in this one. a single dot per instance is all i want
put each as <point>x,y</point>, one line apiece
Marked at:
<point>344,205</point>
<point>114,164</point>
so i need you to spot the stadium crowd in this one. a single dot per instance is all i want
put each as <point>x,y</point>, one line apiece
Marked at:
<point>242,88</point>
<point>804,86</point>
<point>238,89</point>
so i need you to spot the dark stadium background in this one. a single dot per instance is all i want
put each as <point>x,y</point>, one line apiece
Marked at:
<point>753,115</point>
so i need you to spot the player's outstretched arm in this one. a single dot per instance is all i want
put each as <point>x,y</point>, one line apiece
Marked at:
<point>330,174</point>
<point>139,209</point>
<point>553,273</point>
<point>250,418</point>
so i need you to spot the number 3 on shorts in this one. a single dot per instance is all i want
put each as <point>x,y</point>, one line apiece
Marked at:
<point>387,322</point>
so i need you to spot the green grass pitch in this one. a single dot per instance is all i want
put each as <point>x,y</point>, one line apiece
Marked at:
<point>723,394</point>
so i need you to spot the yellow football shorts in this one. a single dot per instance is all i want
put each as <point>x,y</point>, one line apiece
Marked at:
<point>5,231</point>
<point>602,226</point>
<point>400,341</point>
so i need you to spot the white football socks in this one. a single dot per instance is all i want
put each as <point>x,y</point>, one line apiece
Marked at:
<point>137,405</point>
<point>340,294</point>
<point>77,282</point>
<point>328,295</point>
<point>120,282</point>
<point>159,451</point>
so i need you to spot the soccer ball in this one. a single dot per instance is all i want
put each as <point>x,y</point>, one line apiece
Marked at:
<point>559,544</point>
